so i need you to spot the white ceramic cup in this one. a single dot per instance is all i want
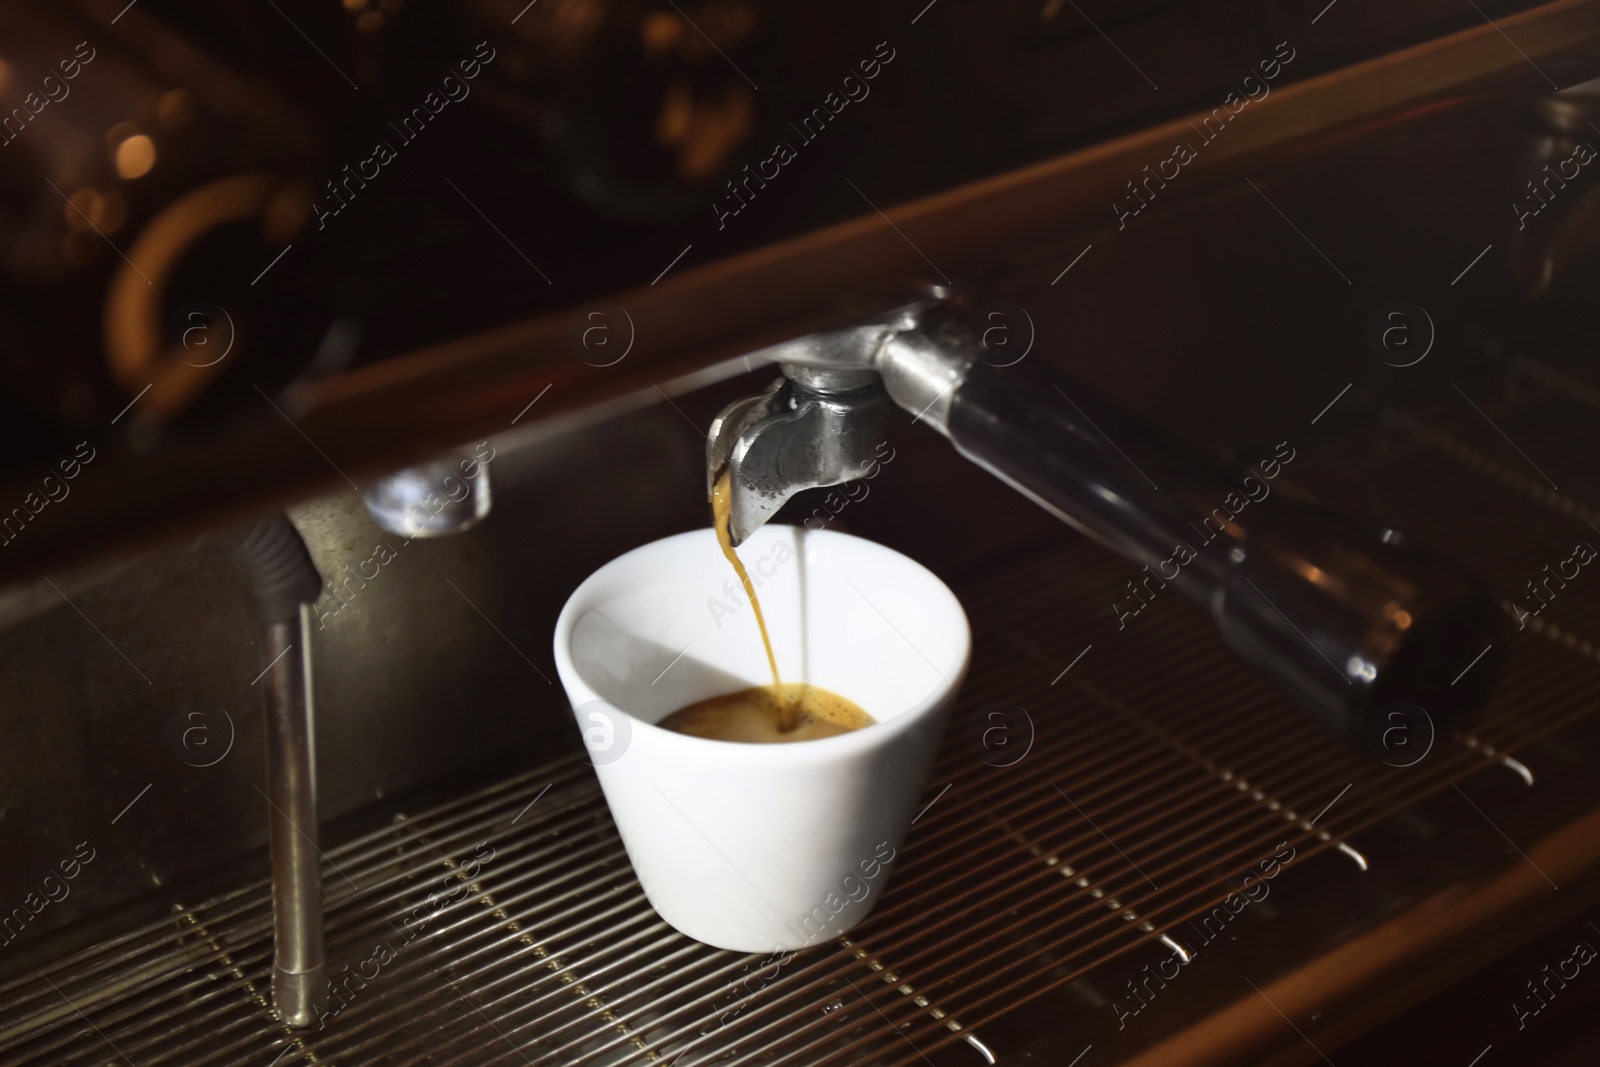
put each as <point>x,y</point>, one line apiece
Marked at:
<point>762,847</point>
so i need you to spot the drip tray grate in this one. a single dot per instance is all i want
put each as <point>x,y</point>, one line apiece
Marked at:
<point>1069,821</point>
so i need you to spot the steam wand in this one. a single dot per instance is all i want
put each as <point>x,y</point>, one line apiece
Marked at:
<point>283,582</point>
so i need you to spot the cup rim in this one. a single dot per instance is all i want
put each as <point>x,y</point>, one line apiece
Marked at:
<point>707,750</point>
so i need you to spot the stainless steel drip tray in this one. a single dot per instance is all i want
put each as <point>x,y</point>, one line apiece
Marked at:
<point>502,927</point>
<point>505,926</point>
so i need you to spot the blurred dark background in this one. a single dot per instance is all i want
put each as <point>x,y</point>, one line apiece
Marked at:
<point>581,159</point>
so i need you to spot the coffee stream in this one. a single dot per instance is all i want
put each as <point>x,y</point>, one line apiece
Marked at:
<point>768,713</point>
<point>721,510</point>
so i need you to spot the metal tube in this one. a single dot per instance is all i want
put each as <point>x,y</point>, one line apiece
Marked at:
<point>300,971</point>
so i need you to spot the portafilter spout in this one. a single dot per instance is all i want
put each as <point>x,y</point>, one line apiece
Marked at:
<point>812,427</point>
<point>1345,622</point>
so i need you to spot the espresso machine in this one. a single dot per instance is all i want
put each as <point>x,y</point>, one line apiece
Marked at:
<point>1256,334</point>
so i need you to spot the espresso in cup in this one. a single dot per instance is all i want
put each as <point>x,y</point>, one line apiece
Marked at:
<point>766,714</point>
